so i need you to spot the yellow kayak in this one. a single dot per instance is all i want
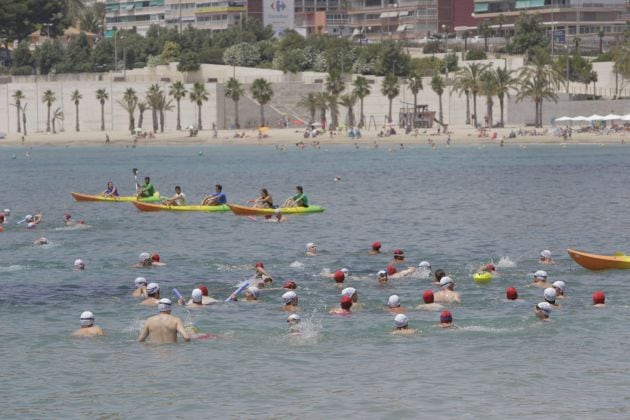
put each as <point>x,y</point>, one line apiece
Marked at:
<point>163,207</point>
<point>255,211</point>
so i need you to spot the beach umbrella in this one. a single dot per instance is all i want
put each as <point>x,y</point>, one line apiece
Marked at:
<point>595,117</point>
<point>580,118</point>
<point>137,130</point>
<point>611,117</point>
<point>564,119</point>
<point>263,129</point>
<point>625,117</point>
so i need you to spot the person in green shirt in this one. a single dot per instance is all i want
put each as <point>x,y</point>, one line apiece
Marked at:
<point>298,200</point>
<point>146,190</point>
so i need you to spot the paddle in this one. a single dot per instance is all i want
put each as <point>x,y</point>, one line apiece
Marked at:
<point>135,177</point>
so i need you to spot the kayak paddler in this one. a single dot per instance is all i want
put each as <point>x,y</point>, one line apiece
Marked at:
<point>216,199</point>
<point>179,199</point>
<point>298,200</point>
<point>147,189</point>
<point>110,191</point>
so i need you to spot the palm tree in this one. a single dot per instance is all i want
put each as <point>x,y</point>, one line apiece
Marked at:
<point>601,34</point>
<point>234,90</point>
<point>129,104</point>
<point>504,82</point>
<point>75,96</point>
<point>48,98</point>
<point>163,105</point>
<point>310,103</point>
<point>198,95</point>
<point>391,89</point>
<point>334,87</point>
<point>462,85</point>
<point>57,115</point>
<point>178,91</point>
<point>74,8</point>
<point>262,92</point>
<point>18,95</point>
<point>470,77</point>
<point>154,94</point>
<point>488,89</point>
<point>321,100</point>
<point>24,118</point>
<point>348,101</point>
<point>415,86</point>
<point>142,106</point>
<point>538,81</point>
<point>102,96</point>
<point>438,85</point>
<point>361,90</point>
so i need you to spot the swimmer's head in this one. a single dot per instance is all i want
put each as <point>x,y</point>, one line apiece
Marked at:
<point>439,273</point>
<point>447,283</point>
<point>28,218</point>
<point>67,216</point>
<point>260,265</point>
<point>197,295</point>
<point>339,276</point>
<point>399,254</point>
<point>382,276</point>
<point>490,268</point>
<point>204,290</point>
<point>79,264</point>
<point>140,282</point>
<point>511,293</point>
<point>290,284</point>
<point>446,317</point>
<point>376,246</point>
<point>153,289</point>
<point>425,265</point>
<point>311,247</point>
<point>428,297</point>
<point>550,295</point>
<point>7,212</point>
<point>545,255</point>
<point>391,270</point>
<point>42,241</point>
<point>393,301</point>
<point>540,275</point>
<point>599,298</point>
<point>543,309</point>
<point>252,293</point>
<point>87,319</point>
<point>401,321</point>
<point>560,287</point>
<point>290,298</point>
<point>144,256</point>
<point>155,257</point>
<point>293,319</point>
<point>350,292</point>
<point>345,302</point>
<point>164,305</point>
<point>267,280</point>
<point>345,272</point>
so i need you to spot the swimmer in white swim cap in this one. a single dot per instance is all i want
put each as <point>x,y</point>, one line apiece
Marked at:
<point>144,260</point>
<point>140,284</point>
<point>311,249</point>
<point>401,325</point>
<point>252,293</point>
<point>540,279</point>
<point>196,299</point>
<point>560,287</point>
<point>550,296</point>
<point>447,293</point>
<point>164,327</point>
<point>88,329</point>
<point>294,323</point>
<point>41,241</point>
<point>290,300</point>
<point>543,311</point>
<point>393,305</point>
<point>79,264</point>
<point>545,257</point>
<point>153,295</point>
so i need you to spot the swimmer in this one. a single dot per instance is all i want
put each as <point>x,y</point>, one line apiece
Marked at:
<point>144,260</point>
<point>599,299</point>
<point>437,277</point>
<point>399,257</point>
<point>311,249</point>
<point>3,217</point>
<point>196,300</point>
<point>550,296</point>
<point>393,273</point>
<point>153,295</point>
<point>279,218</point>
<point>37,219</point>
<point>79,265</point>
<point>511,293</point>
<point>140,290</point>
<point>155,260</point>
<point>376,248</point>
<point>345,303</point>
<point>540,279</point>
<point>489,268</point>
<point>401,325</point>
<point>542,311</point>
<point>545,257</point>
<point>447,293</point>
<point>290,300</point>
<point>289,284</point>
<point>294,324</point>
<point>41,241</point>
<point>393,305</point>
<point>205,299</point>
<point>560,287</point>
<point>424,266</point>
<point>88,329</point>
<point>429,302</point>
<point>446,320</point>
<point>67,219</point>
<point>381,277</point>
<point>163,328</point>
<point>252,293</point>
<point>339,278</point>
<point>260,272</point>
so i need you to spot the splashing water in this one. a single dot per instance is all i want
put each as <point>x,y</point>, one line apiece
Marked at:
<point>506,262</point>
<point>297,264</point>
<point>309,330</point>
<point>11,268</point>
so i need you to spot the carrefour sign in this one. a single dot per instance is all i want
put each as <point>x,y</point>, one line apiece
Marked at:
<point>280,14</point>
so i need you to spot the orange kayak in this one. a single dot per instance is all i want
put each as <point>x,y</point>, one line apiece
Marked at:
<point>255,211</point>
<point>122,199</point>
<point>600,262</point>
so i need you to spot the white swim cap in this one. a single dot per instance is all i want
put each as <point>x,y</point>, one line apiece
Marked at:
<point>541,274</point>
<point>164,305</point>
<point>30,225</point>
<point>28,218</point>
<point>445,281</point>
<point>144,256</point>
<point>43,240</point>
<point>197,295</point>
<point>7,212</point>
<point>153,288</point>
<point>550,294</point>
<point>79,264</point>
<point>255,291</point>
<point>348,291</point>
<point>382,273</point>
<point>393,301</point>
<point>545,254</point>
<point>87,319</point>
<point>425,264</point>
<point>560,285</point>
<point>139,281</point>
<point>345,272</point>
<point>401,320</point>
<point>310,245</point>
<point>294,317</point>
<point>545,307</point>
<point>289,296</point>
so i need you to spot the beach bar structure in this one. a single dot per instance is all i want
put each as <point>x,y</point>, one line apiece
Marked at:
<point>420,118</point>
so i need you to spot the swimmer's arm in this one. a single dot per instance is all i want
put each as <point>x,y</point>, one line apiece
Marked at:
<point>182,331</point>
<point>144,333</point>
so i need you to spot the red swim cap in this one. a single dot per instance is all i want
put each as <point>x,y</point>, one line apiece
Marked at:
<point>289,285</point>
<point>427,296</point>
<point>376,246</point>
<point>260,265</point>
<point>155,257</point>
<point>398,252</point>
<point>490,267</point>
<point>511,293</point>
<point>204,290</point>
<point>339,276</point>
<point>446,317</point>
<point>391,270</point>
<point>599,297</point>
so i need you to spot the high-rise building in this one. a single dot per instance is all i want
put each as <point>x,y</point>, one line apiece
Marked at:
<point>138,15</point>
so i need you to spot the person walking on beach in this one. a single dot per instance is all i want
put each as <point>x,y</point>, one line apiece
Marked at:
<point>163,328</point>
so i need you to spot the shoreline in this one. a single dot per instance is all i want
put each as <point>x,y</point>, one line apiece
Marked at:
<point>288,137</point>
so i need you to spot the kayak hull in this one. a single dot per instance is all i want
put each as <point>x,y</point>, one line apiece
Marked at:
<point>482,278</point>
<point>254,211</point>
<point>162,207</point>
<point>120,199</point>
<point>600,262</point>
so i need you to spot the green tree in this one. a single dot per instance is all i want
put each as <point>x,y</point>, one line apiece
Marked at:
<point>22,55</point>
<point>621,66</point>
<point>142,107</point>
<point>334,86</point>
<point>48,98</point>
<point>438,85</point>
<point>529,35</point>
<point>322,104</point>
<point>484,30</point>
<point>348,101</point>
<point>153,97</point>
<point>361,90</point>
<point>234,90</point>
<point>76,97</point>
<point>538,82</point>
<point>391,89</point>
<point>178,91</point>
<point>102,96</point>
<point>198,95</point>
<point>77,55</point>
<point>18,97</point>
<point>243,54</point>
<point>309,102</point>
<point>49,55</point>
<point>414,82</point>
<point>476,54</point>
<point>57,116</point>
<point>574,68</point>
<point>170,52</point>
<point>93,16</point>
<point>470,79</point>
<point>504,83</point>
<point>129,103</point>
<point>463,85</point>
<point>488,89</point>
<point>262,93</point>
<point>188,61</point>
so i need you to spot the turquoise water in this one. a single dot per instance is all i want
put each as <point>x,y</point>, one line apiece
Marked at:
<point>458,208</point>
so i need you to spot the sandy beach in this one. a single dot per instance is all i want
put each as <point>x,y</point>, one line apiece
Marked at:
<point>460,135</point>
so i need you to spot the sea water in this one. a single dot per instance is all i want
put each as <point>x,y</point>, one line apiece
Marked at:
<point>458,207</point>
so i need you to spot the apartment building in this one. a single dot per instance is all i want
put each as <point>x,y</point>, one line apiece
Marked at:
<point>126,14</point>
